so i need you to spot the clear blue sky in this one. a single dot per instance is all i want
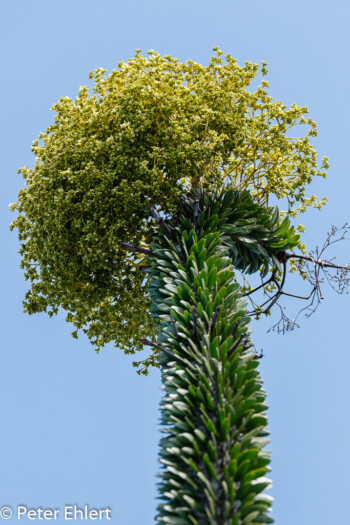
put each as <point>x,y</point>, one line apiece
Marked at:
<point>83,429</point>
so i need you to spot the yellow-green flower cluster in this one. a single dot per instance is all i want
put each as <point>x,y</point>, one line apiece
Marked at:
<point>151,132</point>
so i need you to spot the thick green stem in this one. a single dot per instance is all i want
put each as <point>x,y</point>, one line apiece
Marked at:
<point>213,456</point>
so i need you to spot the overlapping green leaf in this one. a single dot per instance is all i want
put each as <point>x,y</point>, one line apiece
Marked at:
<point>213,411</point>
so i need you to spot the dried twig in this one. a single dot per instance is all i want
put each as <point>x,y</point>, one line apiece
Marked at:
<point>315,269</point>
<point>161,348</point>
<point>134,248</point>
<point>168,232</point>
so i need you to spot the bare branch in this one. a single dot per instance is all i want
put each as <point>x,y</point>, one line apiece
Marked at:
<point>285,324</point>
<point>162,224</point>
<point>310,267</point>
<point>272,278</point>
<point>299,296</point>
<point>161,348</point>
<point>134,248</point>
<point>320,262</point>
<point>280,289</point>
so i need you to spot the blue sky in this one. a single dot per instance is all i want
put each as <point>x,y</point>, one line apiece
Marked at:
<point>78,428</point>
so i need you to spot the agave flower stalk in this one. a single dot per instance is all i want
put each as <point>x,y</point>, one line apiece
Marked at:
<point>213,410</point>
